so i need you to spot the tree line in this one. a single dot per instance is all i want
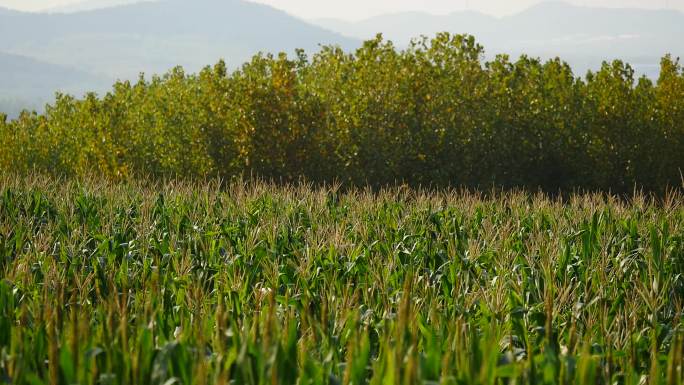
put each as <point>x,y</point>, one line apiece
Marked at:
<point>434,114</point>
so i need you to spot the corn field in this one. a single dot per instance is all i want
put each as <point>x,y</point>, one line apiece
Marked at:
<point>182,282</point>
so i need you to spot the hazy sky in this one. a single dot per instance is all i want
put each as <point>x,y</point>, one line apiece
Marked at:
<point>359,9</point>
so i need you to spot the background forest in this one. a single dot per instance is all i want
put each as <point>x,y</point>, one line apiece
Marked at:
<point>435,114</point>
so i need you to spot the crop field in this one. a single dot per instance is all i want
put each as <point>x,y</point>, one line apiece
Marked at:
<point>252,283</point>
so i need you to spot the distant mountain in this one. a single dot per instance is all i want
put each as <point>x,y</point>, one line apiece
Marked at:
<point>30,77</point>
<point>402,27</point>
<point>27,83</point>
<point>91,44</point>
<point>155,36</point>
<point>583,36</point>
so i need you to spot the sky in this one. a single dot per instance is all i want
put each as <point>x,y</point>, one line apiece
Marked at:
<point>361,9</point>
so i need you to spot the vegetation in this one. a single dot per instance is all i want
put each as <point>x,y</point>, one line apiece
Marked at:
<point>125,279</point>
<point>434,114</point>
<point>140,283</point>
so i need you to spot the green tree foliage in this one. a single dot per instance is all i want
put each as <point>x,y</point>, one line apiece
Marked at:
<point>435,113</point>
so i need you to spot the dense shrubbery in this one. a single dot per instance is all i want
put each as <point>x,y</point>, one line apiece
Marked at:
<point>435,114</point>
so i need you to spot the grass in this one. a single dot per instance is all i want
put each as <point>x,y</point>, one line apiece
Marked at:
<point>251,283</point>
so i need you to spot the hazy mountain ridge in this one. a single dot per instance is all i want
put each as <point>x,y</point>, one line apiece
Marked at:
<point>122,41</point>
<point>29,73</point>
<point>403,26</point>
<point>26,83</point>
<point>155,36</point>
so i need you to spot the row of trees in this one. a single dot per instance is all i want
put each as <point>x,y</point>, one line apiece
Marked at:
<point>434,114</point>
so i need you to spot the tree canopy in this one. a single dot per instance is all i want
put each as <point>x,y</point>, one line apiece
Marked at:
<point>433,114</point>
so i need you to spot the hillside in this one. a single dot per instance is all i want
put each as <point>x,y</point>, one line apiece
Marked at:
<point>155,36</point>
<point>24,76</point>
<point>402,27</point>
<point>27,83</point>
<point>87,50</point>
